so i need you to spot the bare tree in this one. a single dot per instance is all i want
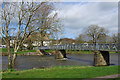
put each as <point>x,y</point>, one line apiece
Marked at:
<point>115,38</point>
<point>96,33</point>
<point>48,21</point>
<point>81,38</point>
<point>24,14</point>
<point>25,18</point>
<point>6,16</point>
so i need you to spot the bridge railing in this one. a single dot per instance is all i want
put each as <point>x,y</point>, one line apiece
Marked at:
<point>105,47</point>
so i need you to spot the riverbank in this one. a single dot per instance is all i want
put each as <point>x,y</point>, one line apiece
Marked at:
<point>51,52</point>
<point>63,72</point>
<point>3,51</point>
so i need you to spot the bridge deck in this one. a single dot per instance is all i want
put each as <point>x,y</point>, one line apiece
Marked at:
<point>101,47</point>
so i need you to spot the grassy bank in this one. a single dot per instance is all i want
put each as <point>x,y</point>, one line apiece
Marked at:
<point>4,50</point>
<point>79,52</point>
<point>64,72</point>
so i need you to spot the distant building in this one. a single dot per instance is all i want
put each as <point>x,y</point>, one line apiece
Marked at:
<point>25,45</point>
<point>35,40</point>
<point>45,43</point>
<point>2,46</point>
<point>66,41</point>
<point>12,42</point>
<point>86,44</point>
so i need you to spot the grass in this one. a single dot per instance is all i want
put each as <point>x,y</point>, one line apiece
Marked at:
<point>113,52</point>
<point>48,50</point>
<point>4,50</point>
<point>64,72</point>
<point>84,52</point>
<point>79,52</point>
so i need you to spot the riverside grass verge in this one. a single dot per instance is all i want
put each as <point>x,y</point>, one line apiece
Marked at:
<point>4,51</point>
<point>63,72</point>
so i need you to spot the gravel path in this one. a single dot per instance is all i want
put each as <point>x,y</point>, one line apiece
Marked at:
<point>104,77</point>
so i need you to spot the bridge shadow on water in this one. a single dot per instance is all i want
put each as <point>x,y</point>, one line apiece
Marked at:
<point>112,64</point>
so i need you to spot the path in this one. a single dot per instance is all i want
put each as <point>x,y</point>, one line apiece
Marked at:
<point>104,77</point>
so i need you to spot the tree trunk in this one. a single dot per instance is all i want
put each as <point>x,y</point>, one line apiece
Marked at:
<point>14,56</point>
<point>9,62</point>
<point>30,46</point>
<point>9,55</point>
<point>41,43</point>
<point>13,60</point>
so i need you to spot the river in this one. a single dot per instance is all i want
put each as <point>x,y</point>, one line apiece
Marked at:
<point>30,62</point>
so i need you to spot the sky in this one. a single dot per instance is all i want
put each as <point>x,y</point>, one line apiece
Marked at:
<point>77,16</point>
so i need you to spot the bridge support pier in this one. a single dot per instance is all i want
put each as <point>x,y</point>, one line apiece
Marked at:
<point>101,58</point>
<point>60,54</point>
<point>63,53</point>
<point>42,52</point>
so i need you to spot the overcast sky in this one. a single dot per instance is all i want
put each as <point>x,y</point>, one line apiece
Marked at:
<point>77,16</point>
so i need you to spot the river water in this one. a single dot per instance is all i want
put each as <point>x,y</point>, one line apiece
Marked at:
<point>30,62</point>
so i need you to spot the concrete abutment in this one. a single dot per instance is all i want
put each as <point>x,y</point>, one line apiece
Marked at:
<point>101,58</point>
<point>60,54</point>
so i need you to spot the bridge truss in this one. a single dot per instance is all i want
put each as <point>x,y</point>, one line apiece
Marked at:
<point>101,47</point>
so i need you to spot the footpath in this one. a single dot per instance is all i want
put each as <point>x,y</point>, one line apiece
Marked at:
<point>104,77</point>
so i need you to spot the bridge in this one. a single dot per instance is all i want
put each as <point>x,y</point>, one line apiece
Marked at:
<point>93,47</point>
<point>101,51</point>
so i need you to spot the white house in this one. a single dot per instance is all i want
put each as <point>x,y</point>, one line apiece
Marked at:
<point>45,43</point>
<point>2,46</point>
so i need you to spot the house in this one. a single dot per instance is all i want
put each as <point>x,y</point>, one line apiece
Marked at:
<point>12,42</point>
<point>35,39</point>
<point>45,43</point>
<point>66,41</point>
<point>2,46</point>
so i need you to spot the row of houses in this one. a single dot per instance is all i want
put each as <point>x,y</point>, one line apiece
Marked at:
<point>46,42</point>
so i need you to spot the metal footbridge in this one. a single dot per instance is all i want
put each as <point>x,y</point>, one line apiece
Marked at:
<point>101,54</point>
<point>99,47</point>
